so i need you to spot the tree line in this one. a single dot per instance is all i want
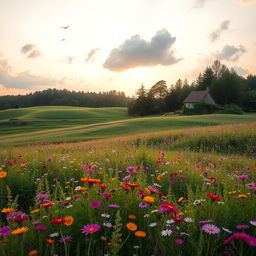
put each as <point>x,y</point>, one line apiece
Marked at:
<point>224,84</point>
<point>65,97</point>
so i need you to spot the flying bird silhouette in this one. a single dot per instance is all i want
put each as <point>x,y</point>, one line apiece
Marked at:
<point>65,27</point>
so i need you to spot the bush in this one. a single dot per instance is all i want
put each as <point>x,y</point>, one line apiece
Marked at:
<point>233,109</point>
<point>202,108</point>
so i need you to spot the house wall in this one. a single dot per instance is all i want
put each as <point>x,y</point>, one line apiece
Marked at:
<point>189,105</point>
<point>208,99</point>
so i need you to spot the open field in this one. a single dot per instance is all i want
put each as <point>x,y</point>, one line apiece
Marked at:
<point>69,124</point>
<point>179,191</point>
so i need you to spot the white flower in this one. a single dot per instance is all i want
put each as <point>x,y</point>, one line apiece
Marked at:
<point>189,220</point>
<point>166,232</point>
<point>54,234</point>
<point>253,222</point>
<point>104,215</point>
<point>170,221</point>
<point>227,230</point>
<point>153,224</point>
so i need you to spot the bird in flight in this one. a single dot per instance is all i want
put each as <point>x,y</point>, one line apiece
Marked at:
<point>63,39</point>
<point>65,27</point>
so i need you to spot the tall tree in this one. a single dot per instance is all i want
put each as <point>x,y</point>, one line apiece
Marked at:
<point>218,69</point>
<point>206,79</point>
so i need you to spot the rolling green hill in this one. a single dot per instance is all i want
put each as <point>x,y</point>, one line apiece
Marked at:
<point>61,124</point>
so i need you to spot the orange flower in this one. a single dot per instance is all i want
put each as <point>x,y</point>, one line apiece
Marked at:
<point>82,188</point>
<point>32,253</point>
<point>149,199</point>
<point>20,231</point>
<point>49,241</point>
<point>3,175</point>
<point>7,210</point>
<point>35,211</point>
<point>68,220</point>
<point>90,180</point>
<point>131,226</point>
<point>242,196</point>
<point>180,199</point>
<point>159,177</point>
<point>46,205</point>
<point>231,192</point>
<point>131,216</point>
<point>140,233</point>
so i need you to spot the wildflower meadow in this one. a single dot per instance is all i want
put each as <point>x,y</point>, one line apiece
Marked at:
<point>132,196</point>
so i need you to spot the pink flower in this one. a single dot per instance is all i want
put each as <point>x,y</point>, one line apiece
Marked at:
<point>242,177</point>
<point>210,229</point>
<point>242,226</point>
<point>95,204</point>
<point>242,236</point>
<point>41,227</point>
<point>90,229</point>
<point>107,195</point>
<point>179,241</point>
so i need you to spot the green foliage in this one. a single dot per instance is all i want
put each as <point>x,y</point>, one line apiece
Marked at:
<point>203,108</point>
<point>233,109</point>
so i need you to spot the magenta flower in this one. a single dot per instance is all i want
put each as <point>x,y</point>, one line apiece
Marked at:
<point>210,229</point>
<point>114,206</point>
<point>179,241</point>
<point>107,195</point>
<point>17,216</point>
<point>95,204</point>
<point>5,231</point>
<point>251,186</point>
<point>242,226</point>
<point>202,222</point>
<point>131,170</point>
<point>41,227</point>
<point>90,229</point>
<point>242,177</point>
<point>242,236</point>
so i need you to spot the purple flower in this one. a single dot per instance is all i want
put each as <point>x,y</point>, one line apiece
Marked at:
<point>126,178</point>
<point>251,186</point>
<point>90,229</point>
<point>65,239</point>
<point>210,229</point>
<point>143,205</point>
<point>49,159</point>
<point>107,224</point>
<point>5,231</point>
<point>179,241</point>
<point>131,170</point>
<point>95,204</point>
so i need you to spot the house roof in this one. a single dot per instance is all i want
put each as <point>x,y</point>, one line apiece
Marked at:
<point>196,96</point>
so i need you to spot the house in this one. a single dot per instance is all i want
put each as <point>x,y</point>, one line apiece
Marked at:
<point>198,97</point>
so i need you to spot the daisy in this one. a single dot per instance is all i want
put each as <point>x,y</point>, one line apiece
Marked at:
<point>210,229</point>
<point>90,229</point>
<point>166,232</point>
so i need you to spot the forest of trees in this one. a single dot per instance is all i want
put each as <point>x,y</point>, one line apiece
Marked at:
<point>225,85</point>
<point>64,97</point>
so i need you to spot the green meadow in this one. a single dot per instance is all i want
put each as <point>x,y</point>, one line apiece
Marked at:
<point>96,182</point>
<point>69,124</point>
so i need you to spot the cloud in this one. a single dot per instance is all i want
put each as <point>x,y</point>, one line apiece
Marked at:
<point>246,2</point>
<point>217,33</point>
<point>137,52</point>
<point>231,53</point>
<point>69,60</point>
<point>199,3</point>
<point>241,71</point>
<point>31,51</point>
<point>23,80</point>
<point>91,55</point>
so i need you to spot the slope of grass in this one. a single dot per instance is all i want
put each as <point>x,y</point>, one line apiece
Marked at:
<point>68,124</point>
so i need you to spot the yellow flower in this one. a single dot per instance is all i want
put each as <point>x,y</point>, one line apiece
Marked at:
<point>32,253</point>
<point>140,233</point>
<point>3,175</point>
<point>149,199</point>
<point>68,220</point>
<point>20,231</point>
<point>131,226</point>
<point>7,210</point>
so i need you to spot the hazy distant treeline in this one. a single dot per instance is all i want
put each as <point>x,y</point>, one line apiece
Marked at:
<point>64,97</point>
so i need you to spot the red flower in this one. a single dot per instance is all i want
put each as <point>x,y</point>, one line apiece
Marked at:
<point>178,219</point>
<point>214,197</point>
<point>58,221</point>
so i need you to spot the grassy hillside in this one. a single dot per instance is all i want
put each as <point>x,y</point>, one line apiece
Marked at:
<point>62,124</point>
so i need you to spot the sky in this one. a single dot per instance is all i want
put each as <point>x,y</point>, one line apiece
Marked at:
<point>120,44</point>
